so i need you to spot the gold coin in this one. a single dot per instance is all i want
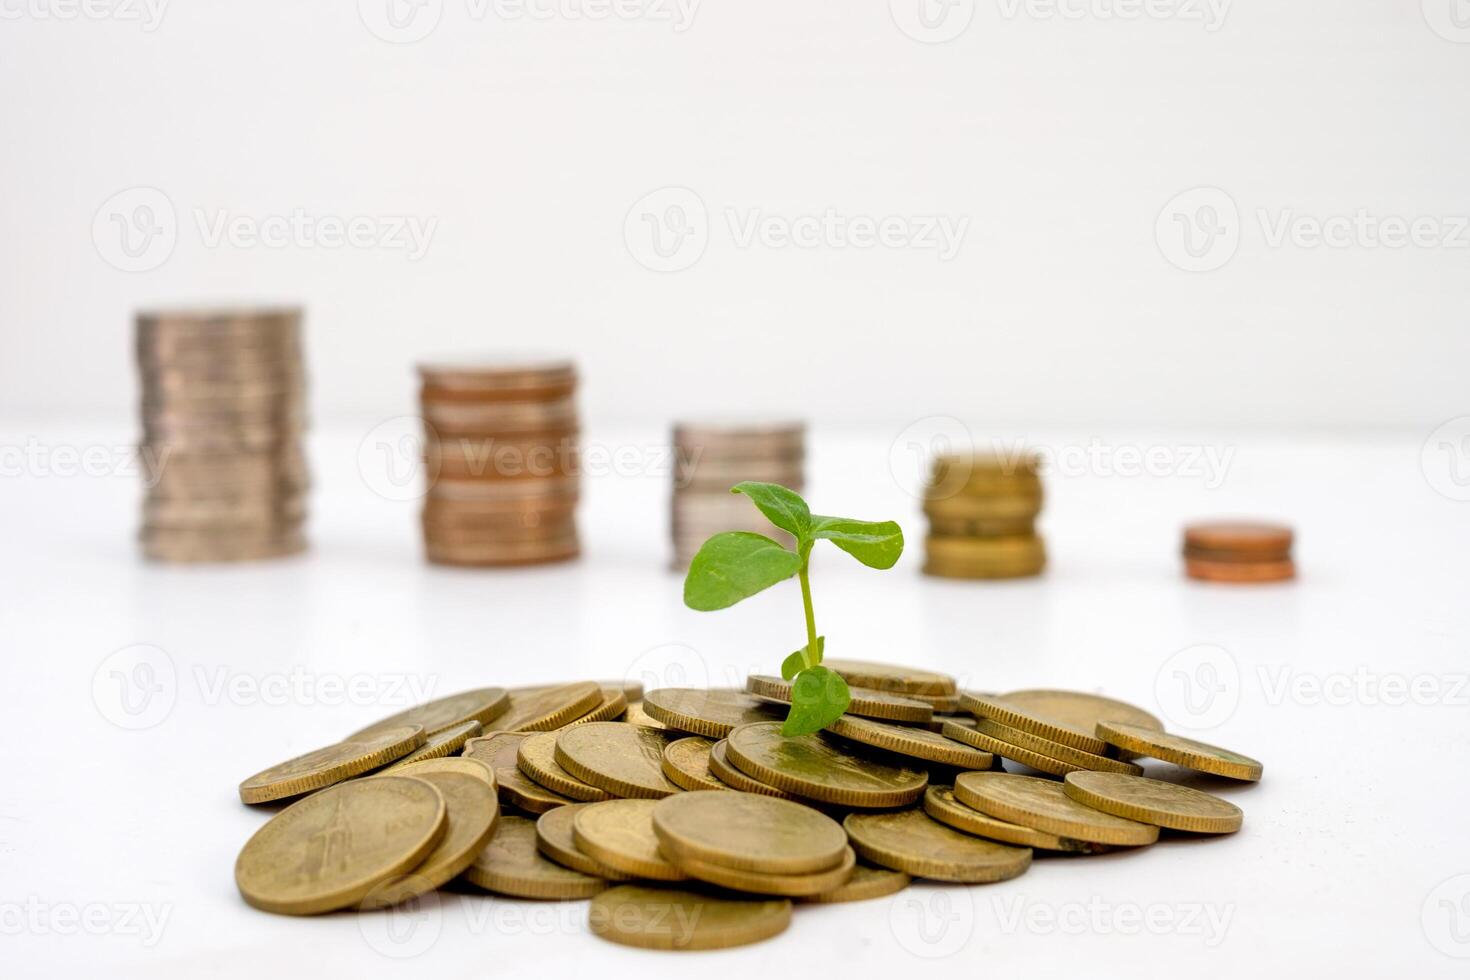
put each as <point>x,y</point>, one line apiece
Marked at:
<point>1055,750</point>
<point>758,883</point>
<point>713,714</point>
<point>511,865</point>
<point>686,763</point>
<point>988,706</point>
<point>1078,709</point>
<point>891,678</point>
<point>330,850</point>
<point>721,769</point>
<point>635,715</point>
<point>632,690</point>
<point>614,705</point>
<point>1003,749</point>
<point>471,812</point>
<point>540,709</point>
<point>536,759</point>
<point>940,803</point>
<point>748,832</point>
<point>482,705</point>
<point>680,919</point>
<point>619,834</point>
<point>818,768</point>
<point>867,881</point>
<point>938,702</point>
<point>917,743</point>
<point>331,764</point>
<point>913,842</point>
<point>625,760</point>
<point>1181,751</point>
<point>867,703</point>
<point>554,838</point>
<point>453,763</point>
<point>1154,801</point>
<point>445,743</point>
<point>1043,805</point>
<point>981,558</point>
<point>499,751</point>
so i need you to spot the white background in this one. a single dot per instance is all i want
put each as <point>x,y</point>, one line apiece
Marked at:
<point>1323,386</point>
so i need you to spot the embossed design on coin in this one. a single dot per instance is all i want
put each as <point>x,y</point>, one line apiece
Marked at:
<point>815,767</point>
<point>625,760</point>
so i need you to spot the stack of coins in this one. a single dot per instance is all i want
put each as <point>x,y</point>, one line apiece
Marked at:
<point>706,832</point>
<point>710,458</point>
<point>982,514</point>
<point>500,449</point>
<point>223,414</point>
<point>1238,551</point>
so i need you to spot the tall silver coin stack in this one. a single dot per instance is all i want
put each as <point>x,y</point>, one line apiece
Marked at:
<point>710,458</point>
<point>223,413</point>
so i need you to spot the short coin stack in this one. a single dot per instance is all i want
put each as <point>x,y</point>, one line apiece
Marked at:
<point>501,457</point>
<point>710,458</point>
<point>1238,551</point>
<point>223,413</point>
<point>982,514</point>
<point>699,826</point>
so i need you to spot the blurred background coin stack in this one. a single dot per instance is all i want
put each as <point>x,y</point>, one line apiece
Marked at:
<point>500,449</point>
<point>710,458</point>
<point>1243,552</point>
<point>982,514</point>
<point>223,412</point>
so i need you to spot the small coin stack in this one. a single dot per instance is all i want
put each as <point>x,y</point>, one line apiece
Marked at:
<point>223,413</point>
<point>500,451</point>
<point>1241,552</point>
<point>710,458</point>
<point>695,824</point>
<point>982,514</point>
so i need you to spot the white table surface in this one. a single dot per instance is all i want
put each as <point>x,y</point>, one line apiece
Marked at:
<point>117,845</point>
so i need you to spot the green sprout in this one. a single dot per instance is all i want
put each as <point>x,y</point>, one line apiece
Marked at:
<point>735,565</point>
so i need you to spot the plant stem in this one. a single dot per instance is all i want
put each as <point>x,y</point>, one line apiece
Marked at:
<point>806,601</point>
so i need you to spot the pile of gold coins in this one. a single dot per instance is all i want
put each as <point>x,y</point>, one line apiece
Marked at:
<point>692,823</point>
<point>223,413</point>
<point>500,451</point>
<point>982,514</point>
<point>710,458</point>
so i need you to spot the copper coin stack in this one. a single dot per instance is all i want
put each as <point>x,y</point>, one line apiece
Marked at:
<point>223,413</point>
<point>982,514</point>
<point>1238,551</point>
<point>710,458</point>
<point>501,455</point>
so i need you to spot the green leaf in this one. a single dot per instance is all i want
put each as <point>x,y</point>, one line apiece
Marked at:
<point>799,660</point>
<point>782,507</point>
<point>818,698</point>
<point>733,566</point>
<point>875,544</point>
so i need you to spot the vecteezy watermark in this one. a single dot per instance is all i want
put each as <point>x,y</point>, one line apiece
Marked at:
<point>668,230</point>
<point>932,21</point>
<point>136,687</point>
<point>404,929</point>
<point>142,921</point>
<point>1445,459</point>
<point>409,21</point>
<point>913,450</point>
<point>1200,230</point>
<point>669,665</point>
<point>48,460</point>
<point>1450,19</point>
<point>404,458</point>
<point>137,230</point>
<point>932,922</point>
<point>1209,14</point>
<point>1198,686</point>
<point>147,14</point>
<point>1445,917</point>
<point>1209,922</point>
